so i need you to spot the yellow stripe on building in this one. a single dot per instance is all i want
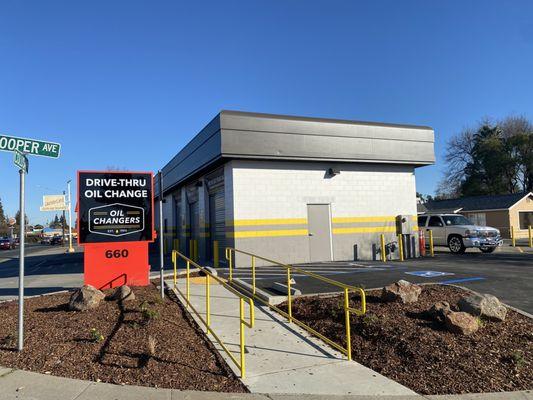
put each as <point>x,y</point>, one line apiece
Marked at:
<point>364,229</point>
<point>274,221</point>
<point>273,233</point>
<point>349,220</point>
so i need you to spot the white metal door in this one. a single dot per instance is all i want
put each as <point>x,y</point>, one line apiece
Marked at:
<point>319,231</point>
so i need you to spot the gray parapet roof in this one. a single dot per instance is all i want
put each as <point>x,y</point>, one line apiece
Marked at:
<point>236,134</point>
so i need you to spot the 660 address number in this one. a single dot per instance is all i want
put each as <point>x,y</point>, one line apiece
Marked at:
<point>116,253</point>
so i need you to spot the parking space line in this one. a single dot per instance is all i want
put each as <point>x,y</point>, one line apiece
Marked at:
<point>477,278</point>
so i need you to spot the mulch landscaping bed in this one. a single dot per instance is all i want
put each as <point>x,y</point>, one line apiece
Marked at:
<point>403,343</point>
<point>159,347</point>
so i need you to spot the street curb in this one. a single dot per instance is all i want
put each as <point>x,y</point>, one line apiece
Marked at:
<point>39,385</point>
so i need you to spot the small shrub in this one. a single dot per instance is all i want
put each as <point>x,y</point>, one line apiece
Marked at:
<point>9,340</point>
<point>147,313</point>
<point>157,300</point>
<point>96,336</point>
<point>370,319</point>
<point>518,359</point>
<point>151,346</point>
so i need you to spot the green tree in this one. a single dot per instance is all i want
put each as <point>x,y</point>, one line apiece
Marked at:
<point>3,221</point>
<point>17,219</point>
<point>55,223</point>
<point>495,158</point>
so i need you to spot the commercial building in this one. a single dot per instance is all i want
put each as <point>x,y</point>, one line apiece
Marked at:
<point>295,189</point>
<point>499,211</point>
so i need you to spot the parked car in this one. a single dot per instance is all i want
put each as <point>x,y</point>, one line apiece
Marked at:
<point>56,240</point>
<point>7,244</point>
<point>457,233</point>
<point>45,240</point>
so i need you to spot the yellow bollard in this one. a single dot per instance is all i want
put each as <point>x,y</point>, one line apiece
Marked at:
<point>513,236</point>
<point>347,323</point>
<point>177,244</point>
<point>215,253</point>
<point>530,237</point>
<point>383,253</point>
<point>175,269</point>
<point>400,246</point>
<point>230,263</point>
<point>431,250</point>
<point>188,285</point>
<point>195,250</point>
<point>191,249</point>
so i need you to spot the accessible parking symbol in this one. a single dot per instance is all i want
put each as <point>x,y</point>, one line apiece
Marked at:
<point>429,274</point>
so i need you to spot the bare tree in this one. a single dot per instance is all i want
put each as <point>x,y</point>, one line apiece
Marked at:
<point>459,153</point>
<point>493,158</point>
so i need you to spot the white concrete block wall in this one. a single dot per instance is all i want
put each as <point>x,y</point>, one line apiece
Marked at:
<point>268,189</point>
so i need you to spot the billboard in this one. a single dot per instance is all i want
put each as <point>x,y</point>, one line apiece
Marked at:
<point>54,202</point>
<point>115,207</point>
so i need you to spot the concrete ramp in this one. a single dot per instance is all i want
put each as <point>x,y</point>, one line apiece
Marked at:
<point>282,358</point>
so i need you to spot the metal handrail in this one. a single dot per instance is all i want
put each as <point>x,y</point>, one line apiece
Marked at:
<point>241,363</point>
<point>230,252</point>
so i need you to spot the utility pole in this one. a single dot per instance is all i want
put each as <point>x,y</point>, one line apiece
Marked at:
<point>21,261</point>
<point>70,248</point>
<point>63,224</point>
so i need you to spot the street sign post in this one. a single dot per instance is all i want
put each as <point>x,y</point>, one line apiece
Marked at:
<point>30,146</point>
<point>22,237</point>
<point>21,147</point>
<point>20,160</point>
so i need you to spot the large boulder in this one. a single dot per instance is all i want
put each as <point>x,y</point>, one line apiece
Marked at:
<point>439,310</point>
<point>461,323</point>
<point>483,305</point>
<point>85,298</point>
<point>403,291</point>
<point>122,293</point>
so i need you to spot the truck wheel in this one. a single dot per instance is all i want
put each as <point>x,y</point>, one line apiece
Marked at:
<point>456,245</point>
<point>487,249</point>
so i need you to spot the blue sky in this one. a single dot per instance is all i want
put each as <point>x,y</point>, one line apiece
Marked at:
<point>128,83</point>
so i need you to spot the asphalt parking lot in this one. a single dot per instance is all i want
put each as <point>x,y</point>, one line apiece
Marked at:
<point>506,273</point>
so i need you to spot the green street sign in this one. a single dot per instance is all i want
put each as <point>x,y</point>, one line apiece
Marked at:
<point>21,161</point>
<point>30,146</point>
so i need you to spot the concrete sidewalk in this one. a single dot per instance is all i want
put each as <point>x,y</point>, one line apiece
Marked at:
<point>24,385</point>
<point>282,358</point>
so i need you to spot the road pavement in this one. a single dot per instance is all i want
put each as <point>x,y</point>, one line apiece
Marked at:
<point>47,269</point>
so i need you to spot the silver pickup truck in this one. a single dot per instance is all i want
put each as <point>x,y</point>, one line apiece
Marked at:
<point>457,233</point>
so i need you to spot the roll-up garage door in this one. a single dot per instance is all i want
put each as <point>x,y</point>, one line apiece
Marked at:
<point>179,234</point>
<point>217,221</point>
<point>193,217</point>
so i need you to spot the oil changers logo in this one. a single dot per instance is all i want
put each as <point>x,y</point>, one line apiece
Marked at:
<point>116,219</point>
